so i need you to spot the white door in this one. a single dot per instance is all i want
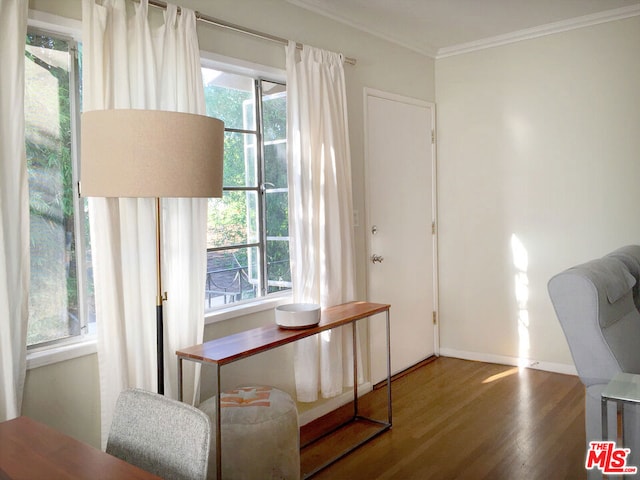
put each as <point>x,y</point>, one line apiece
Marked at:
<point>400,170</point>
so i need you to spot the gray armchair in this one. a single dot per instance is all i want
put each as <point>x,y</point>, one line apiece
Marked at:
<point>597,306</point>
<point>163,436</point>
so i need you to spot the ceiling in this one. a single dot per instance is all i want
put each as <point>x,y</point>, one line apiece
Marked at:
<point>442,27</point>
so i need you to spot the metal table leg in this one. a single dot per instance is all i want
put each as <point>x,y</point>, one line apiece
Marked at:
<point>218,426</point>
<point>620,421</point>
<point>355,370</point>
<point>180,379</point>
<point>389,368</point>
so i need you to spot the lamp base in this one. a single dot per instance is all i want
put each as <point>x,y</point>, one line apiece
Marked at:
<point>160,348</point>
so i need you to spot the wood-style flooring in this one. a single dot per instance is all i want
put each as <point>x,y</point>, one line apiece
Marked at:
<point>458,419</point>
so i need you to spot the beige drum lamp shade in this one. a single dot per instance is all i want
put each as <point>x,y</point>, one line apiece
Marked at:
<point>150,153</point>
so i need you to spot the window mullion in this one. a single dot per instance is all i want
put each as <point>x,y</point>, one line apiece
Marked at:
<point>239,130</point>
<point>262,195</point>
<point>233,247</point>
<point>78,203</point>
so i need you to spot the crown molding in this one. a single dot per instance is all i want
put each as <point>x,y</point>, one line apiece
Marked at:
<point>312,7</point>
<point>540,31</point>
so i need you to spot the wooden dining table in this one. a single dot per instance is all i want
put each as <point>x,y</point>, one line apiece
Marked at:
<point>31,450</point>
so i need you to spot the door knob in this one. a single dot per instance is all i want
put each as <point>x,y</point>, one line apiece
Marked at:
<point>376,258</point>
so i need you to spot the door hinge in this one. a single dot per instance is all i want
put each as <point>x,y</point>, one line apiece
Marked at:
<point>433,136</point>
<point>433,228</point>
<point>435,318</point>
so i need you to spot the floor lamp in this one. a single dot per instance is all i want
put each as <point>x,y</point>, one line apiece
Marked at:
<point>151,154</point>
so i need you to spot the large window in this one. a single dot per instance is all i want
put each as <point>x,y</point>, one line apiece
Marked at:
<point>248,231</point>
<point>60,300</point>
<point>247,241</point>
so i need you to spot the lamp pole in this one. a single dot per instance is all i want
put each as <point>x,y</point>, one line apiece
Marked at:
<point>160,298</point>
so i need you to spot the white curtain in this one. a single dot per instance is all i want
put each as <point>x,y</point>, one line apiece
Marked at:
<point>14,209</point>
<point>320,213</point>
<point>129,64</point>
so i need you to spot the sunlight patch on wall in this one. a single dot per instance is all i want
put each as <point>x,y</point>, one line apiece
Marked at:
<point>521,264</point>
<point>520,132</point>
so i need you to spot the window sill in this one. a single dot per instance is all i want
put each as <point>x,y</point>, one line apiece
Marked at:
<point>247,308</point>
<point>88,346</point>
<point>59,353</point>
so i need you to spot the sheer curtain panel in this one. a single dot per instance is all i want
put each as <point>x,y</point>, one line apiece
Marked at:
<point>320,213</point>
<point>129,64</point>
<point>14,209</point>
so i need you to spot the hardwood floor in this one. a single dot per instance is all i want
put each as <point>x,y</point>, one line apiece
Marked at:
<point>457,419</point>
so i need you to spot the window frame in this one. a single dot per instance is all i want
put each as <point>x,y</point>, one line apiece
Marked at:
<point>68,348</point>
<point>259,73</point>
<point>81,266</point>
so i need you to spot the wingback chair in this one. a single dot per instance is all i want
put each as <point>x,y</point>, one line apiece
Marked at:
<point>597,306</point>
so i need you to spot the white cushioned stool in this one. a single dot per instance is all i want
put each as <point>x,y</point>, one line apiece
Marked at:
<point>260,436</point>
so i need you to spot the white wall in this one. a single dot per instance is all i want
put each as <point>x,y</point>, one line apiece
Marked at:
<point>65,395</point>
<point>71,405</point>
<point>538,141</point>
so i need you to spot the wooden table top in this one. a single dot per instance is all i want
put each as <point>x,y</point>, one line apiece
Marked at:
<point>244,344</point>
<point>30,450</point>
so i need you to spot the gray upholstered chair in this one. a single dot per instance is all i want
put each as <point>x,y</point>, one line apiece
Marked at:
<point>596,304</point>
<point>163,436</point>
<point>630,256</point>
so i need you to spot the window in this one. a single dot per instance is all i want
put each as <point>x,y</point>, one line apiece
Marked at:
<point>60,303</point>
<point>247,241</point>
<point>248,231</point>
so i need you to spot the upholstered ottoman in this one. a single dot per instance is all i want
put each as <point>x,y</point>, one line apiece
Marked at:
<point>260,437</point>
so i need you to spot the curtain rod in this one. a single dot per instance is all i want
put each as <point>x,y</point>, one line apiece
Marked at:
<point>237,28</point>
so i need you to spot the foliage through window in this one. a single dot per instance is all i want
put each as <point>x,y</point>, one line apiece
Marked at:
<point>60,304</point>
<point>248,228</point>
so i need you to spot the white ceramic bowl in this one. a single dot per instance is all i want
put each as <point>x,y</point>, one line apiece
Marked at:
<point>298,315</point>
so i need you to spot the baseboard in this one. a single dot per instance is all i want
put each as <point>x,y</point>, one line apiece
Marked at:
<point>505,360</point>
<point>322,407</point>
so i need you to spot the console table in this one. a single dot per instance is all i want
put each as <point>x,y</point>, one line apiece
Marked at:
<point>229,349</point>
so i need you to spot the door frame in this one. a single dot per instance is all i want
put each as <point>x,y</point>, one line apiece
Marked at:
<point>370,92</point>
